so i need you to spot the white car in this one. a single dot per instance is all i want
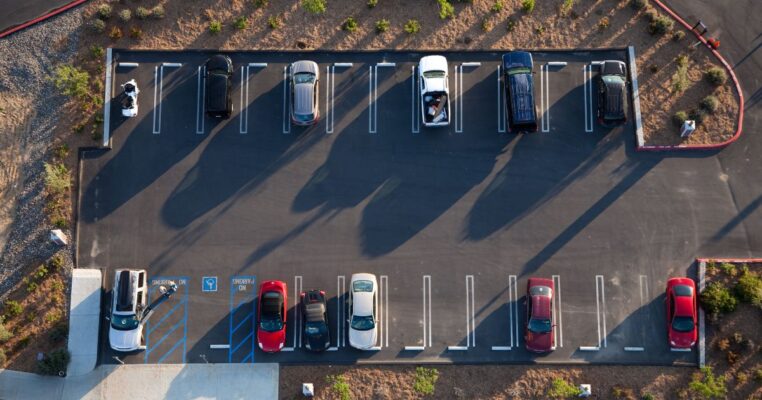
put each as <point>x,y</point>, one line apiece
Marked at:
<point>363,329</point>
<point>128,301</point>
<point>435,91</point>
<point>130,99</point>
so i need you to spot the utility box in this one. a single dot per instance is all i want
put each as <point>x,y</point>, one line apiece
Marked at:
<point>585,390</point>
<point>58,237</point>
<point>688,127</point>
<point>308,390</point>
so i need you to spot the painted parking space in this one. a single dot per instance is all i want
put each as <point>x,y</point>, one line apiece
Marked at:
<point>166,333</point>
<point>243,319</point>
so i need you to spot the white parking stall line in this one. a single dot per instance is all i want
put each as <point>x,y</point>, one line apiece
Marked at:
<point>341,310</point>
<point>243,127</point>
<point>373,95</point>
<point>500,102</point>
<point>371,129</point>
<point>588,89</point>
<point>297,339</point>
<point>415,115</point>
<point>634,349</point>
<point>160,71</point>
<point>426,296</point>
<point>513,315</point>
<point>128,64</point>
<point>589,348</point>
<point>459,98</point>
<point>558,331</point>
<point>219,346</point>
<point>155,92</point>
<point>601,306</point>
<point>200,95</point>
<point>286,116</point>
<point>545,89</point>
<point>328,128</point>
<point>385,300</point>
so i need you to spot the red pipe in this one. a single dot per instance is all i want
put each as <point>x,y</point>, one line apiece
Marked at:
<point>38,19</point>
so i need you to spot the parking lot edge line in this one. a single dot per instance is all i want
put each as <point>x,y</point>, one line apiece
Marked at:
<point>370,99</point>
<point>375,99</point>
<point>161,94</point>
<point>473,309</point>
<point>155,91</point>
<point>327,81</point>
<point>240,113</point>
<point>603,315</point>
<point>598,309</point>
<point>230,320</point>
<point>107,99</point>
<point>386,311</point>
<point>423,294</point>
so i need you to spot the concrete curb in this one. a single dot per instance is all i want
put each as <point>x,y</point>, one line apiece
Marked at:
<point>702,320</point>
<point>107,100</point>
<point>728,68</point>
<point>53,13</point>
<point>635,95</point>
<point>84,320</point>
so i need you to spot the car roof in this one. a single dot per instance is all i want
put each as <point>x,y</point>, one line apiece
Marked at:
<point>614,103</point>
<point>314,312</point>
<point>272,302</point>
<point>219,62</point>
<point>522,97</point>
<point>517,59</point>
<point>217,92</point>
<point>540,306</point>
<point>125,289</point>
<point>363,276</point>
<point>362,303</point>
<point>304,66</point>
<point>303,98</point>
<point>683,306</point>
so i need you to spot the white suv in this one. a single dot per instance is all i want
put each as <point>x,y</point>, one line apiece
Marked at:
<point>128,301</point>
<point>362,311</point>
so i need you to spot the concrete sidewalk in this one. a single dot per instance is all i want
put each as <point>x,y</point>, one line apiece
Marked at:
<point>163,381</point>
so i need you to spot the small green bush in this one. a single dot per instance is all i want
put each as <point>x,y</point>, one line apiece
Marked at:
<point>13,308</point>
<point>125,15</point>
<point>241,23</point>
<point>412,26</point>
<point>661,25</point>
<point>527,5</point>
<point>539,30</point>
<point>497,6</point>
<point>54,363</point>
<point>566,7</point>
<point>729,269</point>
<point>314,6</point>
<point>3,357</point>
<point>158,12</point>
<point>104,11</point>
<point>57,286</point>
<point>56,262</point>
<point>716,76</point>
<point>716,299</point>
<point>603,23</point>
<point>425,379</point>
<point>59,332</point>
<point>215,27</point>
<point>638,4</point>
<point>647,396</point>
<point>339,386</point>
<point>749,289</point>
<point>680,79</point>
<point>446,10</point>
<point>96,52</point>
<point>5,334</point>
<point>560,389</point>
<point>136,33</point>
<point>679,118</point>
<point>142,13</point>
<point>705,384</point>
<point>697,115</point>
<point>40,273</point>
<point>57,179</point>
<point>486,24</point>
<point>678,36</point>
<point>382,25</point>
<point>758,375</point>
<point>510,25</point>
<point>31,287</point>
<point>710,104</point>
<point>71,81</point>
<point>97,25</point>
<point>261,3</point>
<point>622,393</point>
<point>349,25</point>
<point>273,21</point>
<point>372,3</point>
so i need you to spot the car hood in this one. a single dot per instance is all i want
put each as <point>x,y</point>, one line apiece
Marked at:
<point>539,342</point>
<point>124,340</point>
<point>362,339</point>
<point>682,339</point>
<point>320,340</point>
<point>271,341</point>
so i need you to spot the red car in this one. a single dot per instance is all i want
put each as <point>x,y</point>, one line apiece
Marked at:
<point>682,313</point>
<point>539,329</point>
<point>271,330</point>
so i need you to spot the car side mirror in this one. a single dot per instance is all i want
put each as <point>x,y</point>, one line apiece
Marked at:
<point>108,318</point>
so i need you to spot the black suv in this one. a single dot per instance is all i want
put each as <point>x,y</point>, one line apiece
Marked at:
<point>314,310</point>
<point>612,93</point>
<point>519,91</point>
<point>219,77</point>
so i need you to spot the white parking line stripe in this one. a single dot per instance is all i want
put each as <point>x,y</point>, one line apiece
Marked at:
<point>429,303</point>
<point>603,302</point>
<point>414,121</point>
<point>296,309</point>
<point>634,349</point>
<point>472,64</point>
<point>547,99</point>
<point>161,90</point>
<point>168,64</point>
<point>333,95</point>
<point>244,86</point>
<point>375,99</point>
<point>344,65</point>
<point>286,116</point>
<point>702,326</point>
<point>202,116</point>
<point>513,318</point>
<point>542,98</point>
<point>588,89</point>
<point>459,120</point>
<point>414,348</point>
<point>457,348</point>
<point>501,348</point>
<point>385,281</point>
<point>128,64</point>
<point>558,330</point>
<point>379,318</point>
<point>155,91</point>
<point>370,99</point>
<point>340,289</point>
<point>598,309</point>
<point>589,348</point>
<point>500,102</point>
<point>327,117</point>
<point>258,65</point>
<point>601,306</point>
<point>386,64</point>
<point>544,87</point>
<point>557,63</point>
<point>426,309</point>
<point>219,346</point>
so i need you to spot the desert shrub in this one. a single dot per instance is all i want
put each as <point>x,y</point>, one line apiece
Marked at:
<point>561,389</point>
<point>486,24</point>
<point>104,11</point>
<point>125,15</point>
<point>647,396</point>
<point>716,76</point>
<point>425,379</point>
<point>241,23</point>
<point>497,6</point>
<point>314,6</point>
<point>5,334</point>
<point>679,118</point>
<point>13,308</point>
<point>71,81</point>
<point>215,27</point>
<point>158,12</point>
<point>729,269</point>
<point>527,5</point>
<point>59,332</point>
<point>661,25</point>
<point>115,33</point>
<point>372,3</point>
<point>57,180</point>
<point>96,52</point>
<point>349,25</point>
<point>603,23</point>
<point>697,115</point>
<point>446,10</point>
<point>678,36</point>
<point>758,375</point>
<point>53,316</point>
<point>723,344</point>
<point>749,287</point>
<point>261,3</point>
<point>680,79</point>
<point>54,363</point>
<point>40,273</point>
<point>622,393</point>
<point>3,357</point>
<point>56,262</point>
<point>273,22</point>
<point>651,14</point>
<point>716,299</point>
<point>142,13</point>
<point>539,30</point>
<point>136,33</point>
<point>339,386</point>
<point>710,104</point>
<point>731,357</point>
<point>566,7</point>
<point>97,25</point>
<point>31,287</point>
<point>742,377</point>
<point>412,26</point>
<point>510,25</point>
<point>57,286</point>
<point>382,25</point>
<point>705,384</point>
<point>638,4</point>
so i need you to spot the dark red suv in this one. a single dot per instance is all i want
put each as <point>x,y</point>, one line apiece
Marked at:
<point>539,329</point>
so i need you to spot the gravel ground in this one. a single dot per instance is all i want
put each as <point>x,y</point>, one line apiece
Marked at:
<point>29,58</point>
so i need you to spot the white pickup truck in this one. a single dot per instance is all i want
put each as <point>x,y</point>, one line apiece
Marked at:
<point>435,91</point>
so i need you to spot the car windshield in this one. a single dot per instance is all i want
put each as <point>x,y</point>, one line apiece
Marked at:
<point>683,324</point>
<point>124,322</point>
<point>363,323</point>
<point>304,77</point>
<point>362,286</point>
<point>313,328</point>
<point>539,325</point>
<point>271,324</point>
<point>521,70</point>
<point>304,117</point>
<point>434,74</point>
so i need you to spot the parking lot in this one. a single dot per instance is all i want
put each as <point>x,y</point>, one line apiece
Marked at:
<point>453,221</point>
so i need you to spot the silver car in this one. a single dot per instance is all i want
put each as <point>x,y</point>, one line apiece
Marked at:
<point>128,301</point>
<point>363,329</point>
<point>304,76</point>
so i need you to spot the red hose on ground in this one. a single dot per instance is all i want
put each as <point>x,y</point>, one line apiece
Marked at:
<point>735,81</point>
<point>38,19</point>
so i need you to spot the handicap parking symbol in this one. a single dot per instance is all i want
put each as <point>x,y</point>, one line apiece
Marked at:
<point>209,284</point>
